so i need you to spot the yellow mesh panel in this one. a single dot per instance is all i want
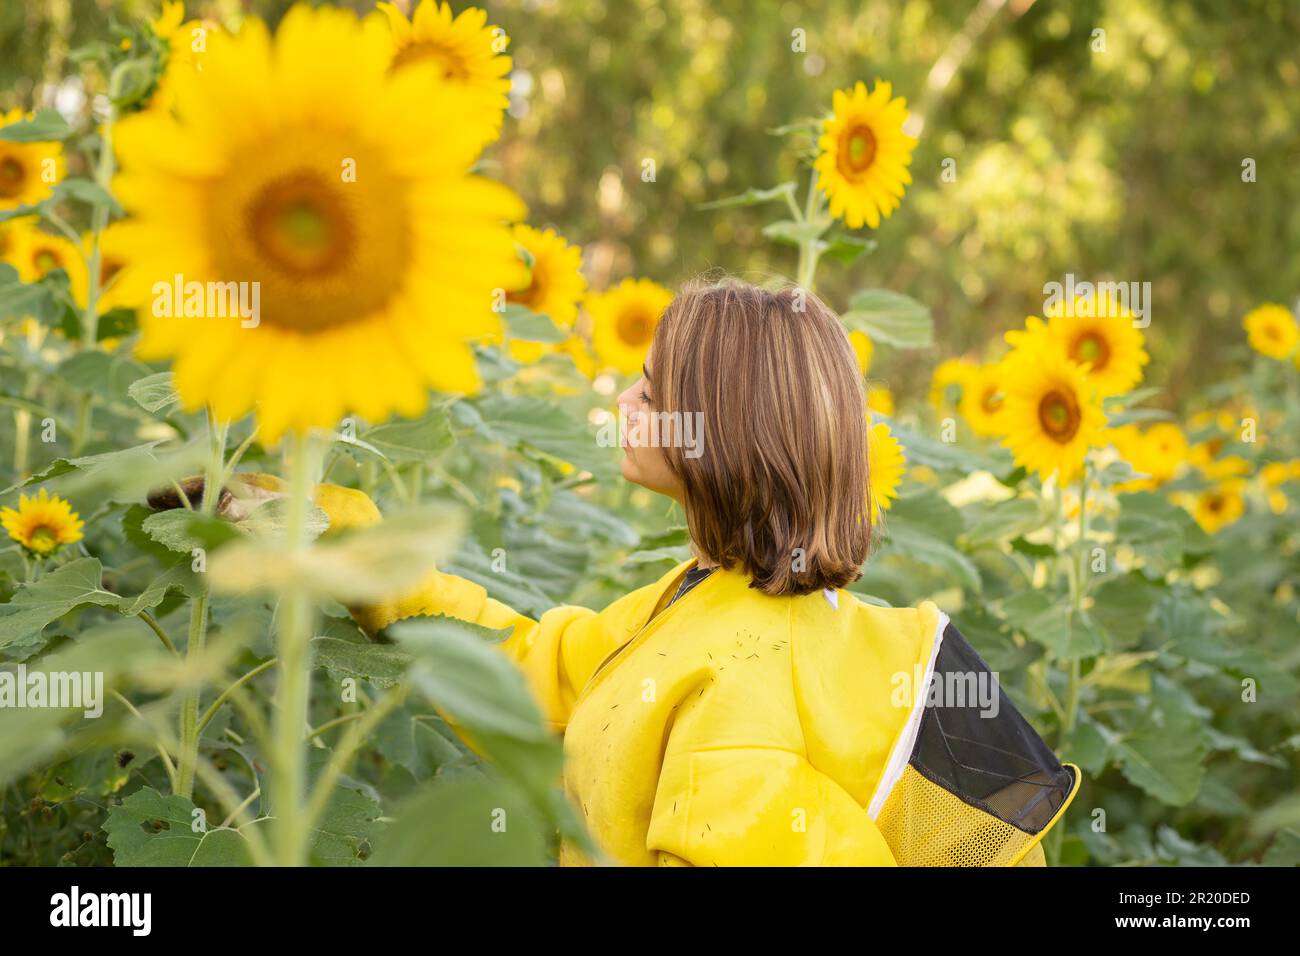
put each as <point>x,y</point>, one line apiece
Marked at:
<point>1034,857</point>
<point>925,825</point>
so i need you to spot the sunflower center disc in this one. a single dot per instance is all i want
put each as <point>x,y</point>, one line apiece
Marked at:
<point>1059,416</point>
<point>1092,348</point>
<point>44,260</point>
<point>859,149</point>
<point>991,400</point>
<point>12,175</point>
<point>43,539</point>
<point>301,224</point>
<point>634,327</point>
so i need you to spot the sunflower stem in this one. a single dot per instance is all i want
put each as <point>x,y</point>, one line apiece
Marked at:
<point>288,783</point>
<point>198,634</point>
<point>1078,590</point>
<point>809,251</point>
<point>98,221</point>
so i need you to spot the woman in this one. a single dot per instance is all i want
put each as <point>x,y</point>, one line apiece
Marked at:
<point>744,709</point>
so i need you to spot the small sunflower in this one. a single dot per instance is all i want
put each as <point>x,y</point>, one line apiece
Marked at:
<point>469,56</point>
<point>885,466</point>
<point>1158,452</point>
<point>948,383</point>
<point>863,350</point>
<point>1272,331</point>
<point>1217,506</point>
<point>1274,475</point>
<point>187,41</point>
<point>983,399</point>
<point>1102,338</point>
<point>28,171</point>
<point>112,260</point>
<point>1225,466</point>
<point>36,253</point>
<point>881,401</point>
<point>301,166</point>
<point>42,524</point>
<point>1051,416</point>
<point>555,283</point>
<point>624,321</point>
<point>865,154</point>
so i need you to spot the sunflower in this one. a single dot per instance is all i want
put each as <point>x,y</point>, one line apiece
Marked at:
<point>468,54</point>
<point>1271,330</point>
<point>112,259</point>
<point>186,42</point>
<point>864,154</point>
<point>301,168</point>
<point>863,350</point>
<point>1157,453</point>
<point>555,283</point>
<point>42,524</point>
<point>36,253</point>
<point>982,399</point>
<point>881,401</point>
<point>624,320</point>
<point>1106,343</point>
<point>885,466</point>
<point>948,383</point>
<point>1274,475</point>
<point>1217,506</point>
<point>1051,416</point>
<point>28,171</point>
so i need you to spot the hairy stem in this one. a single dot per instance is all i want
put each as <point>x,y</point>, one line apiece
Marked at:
<point>288,779</point>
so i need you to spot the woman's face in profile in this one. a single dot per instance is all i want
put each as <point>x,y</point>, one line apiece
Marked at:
<point>642,437</point>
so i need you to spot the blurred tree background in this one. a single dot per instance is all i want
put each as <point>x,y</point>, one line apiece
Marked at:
<point>1114,155</point>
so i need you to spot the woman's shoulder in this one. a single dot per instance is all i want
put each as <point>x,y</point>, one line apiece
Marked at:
<point>843,629</point>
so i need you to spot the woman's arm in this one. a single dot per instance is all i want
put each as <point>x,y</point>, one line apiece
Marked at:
<point>557,653</point>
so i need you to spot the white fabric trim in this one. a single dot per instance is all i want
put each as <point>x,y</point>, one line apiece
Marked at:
<point>902,752</point>
<point>832,598</point>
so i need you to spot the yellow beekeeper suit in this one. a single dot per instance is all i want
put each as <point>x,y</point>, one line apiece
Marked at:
<point>736,728</point>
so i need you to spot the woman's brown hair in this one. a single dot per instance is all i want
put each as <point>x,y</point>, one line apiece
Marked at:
<point>775,478</point>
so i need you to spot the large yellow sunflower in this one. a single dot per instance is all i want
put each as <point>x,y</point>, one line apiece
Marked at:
<point>469,56</point>
<point>302,168</point>
<point>864,155</point>
<point>1271,330</point>
<point>42,524</point>
<point>28,171</point>
<point>36,253</point>
<point>885,466</point>
<point>1051,416</point>
<point>983,398</point>
<point>1159,452</point>
<point>624,320</point>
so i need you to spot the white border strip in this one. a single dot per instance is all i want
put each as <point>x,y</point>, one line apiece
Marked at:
<point>902,752</point>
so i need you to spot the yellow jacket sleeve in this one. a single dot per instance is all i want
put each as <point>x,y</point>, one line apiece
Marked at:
<point>557,653</point>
